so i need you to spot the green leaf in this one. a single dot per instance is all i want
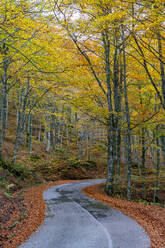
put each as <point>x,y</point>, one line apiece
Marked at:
<point>9,186</point>
<point>8,195</point>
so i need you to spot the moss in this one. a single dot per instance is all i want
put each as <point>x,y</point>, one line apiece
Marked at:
<point>34,157</point>
<point>17,170</point>
<point>89,164</point>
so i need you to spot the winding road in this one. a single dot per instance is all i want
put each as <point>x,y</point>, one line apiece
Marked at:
<point>73,220</point>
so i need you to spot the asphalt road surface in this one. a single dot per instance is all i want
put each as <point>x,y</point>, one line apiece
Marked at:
<point>73,220</point>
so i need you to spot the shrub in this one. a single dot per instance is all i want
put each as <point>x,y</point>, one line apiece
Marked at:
<point>34,157</point>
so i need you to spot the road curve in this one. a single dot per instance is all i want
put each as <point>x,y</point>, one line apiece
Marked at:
<point>73,220</point>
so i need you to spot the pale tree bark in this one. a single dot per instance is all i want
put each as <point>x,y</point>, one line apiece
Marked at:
<point>162,139</point>
<point>59,132</point>
<point>76,128</point>
<point>162,72</point>
<point>116,97</point>
<point>129,167</point>
<point>118,155</point>
<point>45,136</point>
<point>29,132</point>
<point>23,129</point>
<point>88,144</point>
<point>119,81</point>
<point>27,92</point>
<point>67,134</point>
<point>125,149</point>
<point>19,123</point>
<point>60,128</point>
<point>53,133</point>
<point>81,138</point>
<point>39,130</point>
<point>111,131</point>
<point>143,149</point>
<point>3,102</point>
<point>156,191</point>
<point>69,124</point>
<point>48,133</point>
<point>136,154</point>
<point>23,98</point>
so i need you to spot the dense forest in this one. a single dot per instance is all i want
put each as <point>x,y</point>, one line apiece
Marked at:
<point>85,79</point>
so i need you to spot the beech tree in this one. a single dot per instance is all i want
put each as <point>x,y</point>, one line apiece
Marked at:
<point>73,68</point>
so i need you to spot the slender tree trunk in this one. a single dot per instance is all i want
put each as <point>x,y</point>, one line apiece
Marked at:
<point>67,134</point>
<point>128,123</point>
<point>17,140</point>
<point>39,131</point>
<point>3,104</point>
<point>69,122</point>
<point>136,154</point>
<point>109,188</point>
<point>26,95</point>
<point>116,95</point>
<point>110,172</point>
<point>118,110</point>
<point>118,156</point>
<point>58,132</point>
<point>143,160</point>
<point>156,191</point>
<point>162,139</point>
<point>125,149</point>
<point>53,134</point>
<point>19,123</point>
<point>76,128</point>
<point>48,133</point>
<point>23,129</point>
<point>88,145</point>
<point>81,145</point>
<point>45,136</point>
<point>161,66</point>
<point>23,97</point>
<point>30,130</point>
<point>143,152</point>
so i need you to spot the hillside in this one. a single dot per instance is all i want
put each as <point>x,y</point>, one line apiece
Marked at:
<point>82,96</point>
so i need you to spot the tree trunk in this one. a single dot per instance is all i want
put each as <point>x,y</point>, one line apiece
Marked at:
<point>23,129</point>
<point>39,131</point>
<point>81,144</point>
<point>19,124</point>
<point>136,154</point>
<point>118,99</point>
<point>156,198</point>
<point>23,97</point>
<point>128,123</point>
<point>109,188</point>
<point>88,144</point>
<point>3,104</point>
<point>162,139</point>
<point>143,151</point>
<point>67,134</point>
<point>53,134</point>
<point>162,72</point>
<point>30,129</point>
<point>48,133</point>
<point>118,156</point>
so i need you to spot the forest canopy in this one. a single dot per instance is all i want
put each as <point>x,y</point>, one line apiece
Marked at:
<point>91,73</point>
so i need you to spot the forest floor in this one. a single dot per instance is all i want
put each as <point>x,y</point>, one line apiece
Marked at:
<point>22,215</point>
<point>22,207</point>
<point>152,218</point>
